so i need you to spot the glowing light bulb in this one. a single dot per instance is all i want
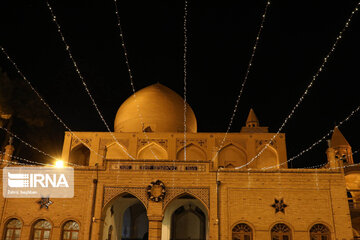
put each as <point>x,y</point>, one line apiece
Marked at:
<point>59,164</point>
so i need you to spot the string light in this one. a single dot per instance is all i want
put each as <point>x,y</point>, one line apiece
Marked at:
<point>185,72</point>
<point>245,77</point>
<point>318,141</point>
<point>325,60</point>
<point>130,73</point>
<point>44,102</point>
<point>67,47</point>
<point>32,147</point>
<point>27,144</point>
<point>22,159</point>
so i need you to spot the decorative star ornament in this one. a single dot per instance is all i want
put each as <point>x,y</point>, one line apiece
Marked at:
<point>44,203</point>
<point>279,205</point>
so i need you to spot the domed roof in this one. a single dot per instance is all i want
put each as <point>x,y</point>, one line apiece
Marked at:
<point>155,108</point>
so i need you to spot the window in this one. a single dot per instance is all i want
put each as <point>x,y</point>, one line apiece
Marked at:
<point>70,231</point>
<point>13,229</point>
<point>242,231</point>
<point>280,232</point>
<point>319,232</point>
<point>41,230</point>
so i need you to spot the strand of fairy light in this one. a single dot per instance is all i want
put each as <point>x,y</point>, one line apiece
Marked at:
<point>350,165</point>
<point>185,74</point>
<point>245,77</point>
<point>67,47</point>
<point>32,147</point>
<point>22,159</point>
<point>130,73</point>
<point>43,100</point>
<point>26,143</point>
<point>318,141</point>
<point>308,87</point>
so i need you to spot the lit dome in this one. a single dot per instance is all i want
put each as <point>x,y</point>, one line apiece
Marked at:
<point>155,108</point>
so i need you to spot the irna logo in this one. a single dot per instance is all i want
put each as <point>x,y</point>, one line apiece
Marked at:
<point>16,180</point>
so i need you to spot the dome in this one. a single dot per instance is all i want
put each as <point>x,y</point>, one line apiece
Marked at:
<point>155,108</point>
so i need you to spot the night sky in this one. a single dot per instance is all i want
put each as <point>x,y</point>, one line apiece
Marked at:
<point>297,35</point>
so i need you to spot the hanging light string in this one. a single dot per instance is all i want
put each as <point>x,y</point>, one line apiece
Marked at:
<point>245,77</point>
<point>44,102</point>
<point>67,47</point>
<point>185,73</point>
<point>320,165</point>
<point>318,141</point>
<point>34,148</point>
<point>23,159</point>
<point>27,144</point>
<point>314,78</point>
<point>130,73</point>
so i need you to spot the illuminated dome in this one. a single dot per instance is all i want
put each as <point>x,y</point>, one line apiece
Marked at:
<point>155,108</point>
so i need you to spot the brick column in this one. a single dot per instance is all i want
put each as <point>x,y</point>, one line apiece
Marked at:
<point>155,224</point>
<point>155,217</point>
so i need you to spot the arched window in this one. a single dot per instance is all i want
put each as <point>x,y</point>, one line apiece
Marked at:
<point>13,229</point>
<point>80,155</point>
<point>319,232</point>
<point>242,231</point>
<point>41,230</point>
<point>70,231</point>
<point>280,232</point>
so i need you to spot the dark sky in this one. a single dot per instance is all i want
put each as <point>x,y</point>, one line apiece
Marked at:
<point>297,35</point>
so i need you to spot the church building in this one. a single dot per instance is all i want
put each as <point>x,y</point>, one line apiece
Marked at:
<point>157,178</point>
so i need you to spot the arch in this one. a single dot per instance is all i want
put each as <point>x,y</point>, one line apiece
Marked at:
<point>41,229</point>
<point>319,232</point>
<point>185,209</point>
<point>268,158</point>
<point>70,230</point>
<point>12,229</point>
<point>320,222</point>
<point>242,231</point>
<point>124,213</point>
<point>183,194</point>
<point>152,151</point>
<point>193,153</point>
<point>281,231</point>
<point>116,151</point>
<point>232,155</point>
<point>80,155</point>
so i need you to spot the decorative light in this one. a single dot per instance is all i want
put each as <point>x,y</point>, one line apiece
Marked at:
<point>185,73</point>
<point>245,77</point>
<point>308,87</point>
<point>59,164</point>
<point>130,73</point>
<point>67,47</point>
<point>318,141</point>
<point>43,101</point>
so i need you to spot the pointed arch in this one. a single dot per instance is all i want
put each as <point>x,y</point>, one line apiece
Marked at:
<point>116,151</point>
<point>80,155</point>
<point>268,158</point>
<point>232,155</point>
<point>152,151</point>
<point>124,216</point>
<point>185,216</point>
<point>193,153</point>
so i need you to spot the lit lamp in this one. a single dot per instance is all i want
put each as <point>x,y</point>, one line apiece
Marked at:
<point>59,164</point>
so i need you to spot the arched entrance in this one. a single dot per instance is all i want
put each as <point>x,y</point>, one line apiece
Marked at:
<point>185,218</point>
<point>125,218</point>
